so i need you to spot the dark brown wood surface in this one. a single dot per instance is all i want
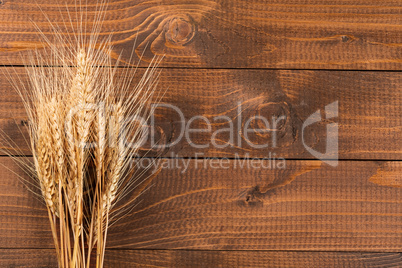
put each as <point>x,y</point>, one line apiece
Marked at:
<point>312,34</point>
<point>191,258</point>
<point>369,116</point>
<point>270,58</point>
<point>306,206</point>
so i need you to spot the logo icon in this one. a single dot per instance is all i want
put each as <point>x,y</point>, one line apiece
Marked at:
<point>330,156</point>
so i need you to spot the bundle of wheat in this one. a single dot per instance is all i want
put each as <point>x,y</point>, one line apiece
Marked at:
<point>77,105</point>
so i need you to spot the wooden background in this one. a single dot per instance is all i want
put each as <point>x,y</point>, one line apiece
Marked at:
<point>274,57</point>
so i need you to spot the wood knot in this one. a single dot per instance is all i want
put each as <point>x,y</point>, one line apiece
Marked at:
<point>180,30</point>
<point>277,113</point>
<point>347,38</point>
<point>267,123</point>
<point>251,197</point>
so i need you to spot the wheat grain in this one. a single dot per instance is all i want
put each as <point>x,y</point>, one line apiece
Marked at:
<point>56,116</point>
<point>44,159</point>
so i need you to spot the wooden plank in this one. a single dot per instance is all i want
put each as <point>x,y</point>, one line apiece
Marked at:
<point>308,206</point>
<point>196,258</point>
<point>313,34</point>
<point>370,125</point>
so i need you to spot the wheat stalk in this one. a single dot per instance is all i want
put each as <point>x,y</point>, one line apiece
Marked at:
<point>77,135</point>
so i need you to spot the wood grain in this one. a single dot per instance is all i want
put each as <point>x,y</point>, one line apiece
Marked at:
<point>370,125</point>
<point>312,34</point>
<point>217,206</point>
<point>308,206</point>
<point>190,259</point>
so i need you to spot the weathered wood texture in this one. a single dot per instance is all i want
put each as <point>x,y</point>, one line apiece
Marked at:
<point>189,259</point>
<point>369,116</point>
<point>312,34</point>
<point>307,206</point>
